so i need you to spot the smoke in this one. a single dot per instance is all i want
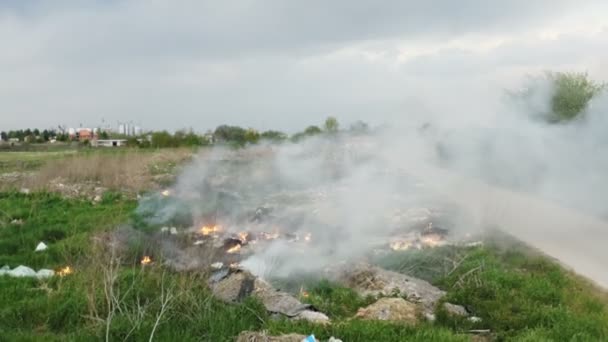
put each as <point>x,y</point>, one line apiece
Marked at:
<point>352,192</point>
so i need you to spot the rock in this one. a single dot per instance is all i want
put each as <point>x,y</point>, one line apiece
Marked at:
<point>234,285</point>
<point>371,280</point>
<point>5,268</point>
<point>41,247</point>
<point>313,316</point>
<point>22,271</point>
<point>253,336</point>
<point>97,199</point>
<point>455,310</point>
<point>390,309</point>
<point>44,273</point>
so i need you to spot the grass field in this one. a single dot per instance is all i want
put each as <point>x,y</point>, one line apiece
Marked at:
<point>518,294</point>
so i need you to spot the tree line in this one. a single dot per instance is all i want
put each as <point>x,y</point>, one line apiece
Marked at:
<point>571,96</point>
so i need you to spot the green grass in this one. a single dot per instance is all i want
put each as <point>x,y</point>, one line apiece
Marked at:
<point>519,295</point>
<point>64,225</point>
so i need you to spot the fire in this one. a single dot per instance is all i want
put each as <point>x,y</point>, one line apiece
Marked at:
<point>235,249</point>
<point>269,236</point>
<point>432,240</point>
<point>208,230</point>
<point>65,271</point>
<point>243,236</point>
<point>401,245</point>
<point>146,260</point>
<point>166,193</point>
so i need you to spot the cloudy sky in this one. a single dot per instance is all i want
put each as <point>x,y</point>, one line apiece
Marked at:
<point>277,63</point>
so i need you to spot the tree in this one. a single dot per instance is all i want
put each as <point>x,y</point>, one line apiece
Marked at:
<point>312,130</point>
<point>572,94</point>
<point>274,136</point>
<point>104,135</point>
<point>162,139</point>
<point>331,125</point>
<point>252,136</point>
<point>557,96</point>
<point>230,134</point>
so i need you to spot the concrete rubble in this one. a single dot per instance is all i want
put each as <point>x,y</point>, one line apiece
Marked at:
<point>390,309</point>
<point>254,336</point>
<point>375,281</point>
<point>236,285</point>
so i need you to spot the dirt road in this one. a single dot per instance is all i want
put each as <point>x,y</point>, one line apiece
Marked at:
<point>577,240</point>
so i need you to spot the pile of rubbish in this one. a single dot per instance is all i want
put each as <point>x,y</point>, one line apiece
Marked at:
<point>24,271</point>
<point>233,285</point>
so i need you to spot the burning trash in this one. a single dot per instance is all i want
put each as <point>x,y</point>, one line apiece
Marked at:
<point>209,230</point>
<point>233,250</point>
<point>65,271</point>
<point>146,260</point>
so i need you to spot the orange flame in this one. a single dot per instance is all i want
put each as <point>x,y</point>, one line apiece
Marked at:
<point>432,240</point>
<point>146,260</point>
<point>65,271</point>
<point>243,236</point>
<point>235,249</point>
<point>208,230</point>
<point>401,245</point>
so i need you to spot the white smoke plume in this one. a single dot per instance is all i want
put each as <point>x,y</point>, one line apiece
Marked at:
<point>352,192</point>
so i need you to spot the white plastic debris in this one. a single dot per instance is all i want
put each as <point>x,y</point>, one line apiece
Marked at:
<point>430,317</point>
<point>41,246</point>
<point>333,339</point>
<point>164,229</point>
<point>22,271</point>
<point>475,319</point>
<point>199,242</point>
<point>217,265</point>
<point>173,231</point>
<point>45,273</point>
<point>4,270</point>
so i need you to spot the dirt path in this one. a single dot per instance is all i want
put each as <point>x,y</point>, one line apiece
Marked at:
<point>577,240</point>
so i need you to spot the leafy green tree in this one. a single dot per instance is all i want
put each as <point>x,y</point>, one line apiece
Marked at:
<point>162,139</point>
<point>230,134</point>
<point>312,130</point>
<point>274,136</point>
<point>331,124</point>
<point>569,95</point>
<point>572,94</point>
<point>104,135</point>
<point>252,136</point>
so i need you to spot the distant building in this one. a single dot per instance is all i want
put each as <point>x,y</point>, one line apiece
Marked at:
<point>109,142</point>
